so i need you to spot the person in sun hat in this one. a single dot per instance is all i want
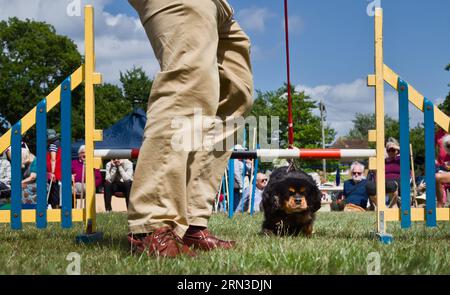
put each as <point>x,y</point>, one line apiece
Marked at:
<point>392,172</point>
<point>392,175</point>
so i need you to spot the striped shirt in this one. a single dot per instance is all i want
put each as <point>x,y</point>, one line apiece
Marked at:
<point>53,147</point>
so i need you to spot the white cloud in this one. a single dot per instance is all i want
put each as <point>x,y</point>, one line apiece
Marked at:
<point>343,101</point>
<point>253,18</point>
<point>120,40</point>
<point>296,24</point>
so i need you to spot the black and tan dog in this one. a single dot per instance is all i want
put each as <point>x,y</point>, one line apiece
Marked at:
<point>290,201</point>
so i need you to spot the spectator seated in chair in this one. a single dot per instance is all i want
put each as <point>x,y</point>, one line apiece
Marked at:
<point>29,192</point>
<point>79,174</point>
<point>5,179</point>
<point>244,203</point>
<point>443,167</point>
<point>355,194</point>
<point>118,180</point>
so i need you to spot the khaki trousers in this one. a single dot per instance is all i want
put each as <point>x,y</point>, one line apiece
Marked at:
<point>205,65</point>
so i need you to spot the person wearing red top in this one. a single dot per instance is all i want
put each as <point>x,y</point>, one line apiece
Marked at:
<point>79,175</point>
<point>442,141</point>
<point>53,168</point>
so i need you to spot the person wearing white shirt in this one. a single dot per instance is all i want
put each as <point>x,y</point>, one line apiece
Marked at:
<point>261,183</point>
<point>119,178</point>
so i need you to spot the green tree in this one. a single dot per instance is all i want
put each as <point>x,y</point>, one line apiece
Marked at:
<point>34,60</point>
<point>110,106</point>
<point>365,122</point>
<point>445,106</point>
<point>136,86</point>
<point>109,97</point>
<point>362,123</point>
<point>4,124</point>
<point>307,126</point>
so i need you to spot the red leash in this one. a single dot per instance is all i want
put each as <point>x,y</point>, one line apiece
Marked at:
<point>288,65</point>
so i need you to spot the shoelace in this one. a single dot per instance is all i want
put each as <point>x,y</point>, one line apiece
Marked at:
<point>164,237</point>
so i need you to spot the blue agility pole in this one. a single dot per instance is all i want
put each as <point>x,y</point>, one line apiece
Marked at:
<point>66,157</point>
<point>224,201</point>
<point>16,176</point>
<point>41,156</point>
<point>403,110</point>
<point>430,180</point>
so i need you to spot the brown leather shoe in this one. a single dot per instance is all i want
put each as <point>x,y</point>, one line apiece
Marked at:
<point>162,242</point>
<point>204,240</point>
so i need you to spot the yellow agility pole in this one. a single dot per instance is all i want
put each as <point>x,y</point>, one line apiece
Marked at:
<point>377,135</point>
<point>91,134</point>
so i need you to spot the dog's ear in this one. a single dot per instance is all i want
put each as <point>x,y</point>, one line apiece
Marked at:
<point>270,203</point>
<point>315,200</point>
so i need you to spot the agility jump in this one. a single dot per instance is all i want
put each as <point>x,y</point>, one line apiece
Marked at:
<point>38,116</point>
<point>432,115</point>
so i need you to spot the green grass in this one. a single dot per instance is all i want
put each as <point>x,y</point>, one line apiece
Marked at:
<point>340,245</point>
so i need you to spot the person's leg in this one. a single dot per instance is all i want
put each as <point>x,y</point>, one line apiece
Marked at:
<point>236,198</point>
<point>56,195</point>
<point>236,90</point>
<point>107,195</point>
<point>392,188</point>
<point>240,207</point>
<point>441,179</point>
<point>53,198</point>
<point>125,188</point>
<point>184,37</point>
<point>5,191</point>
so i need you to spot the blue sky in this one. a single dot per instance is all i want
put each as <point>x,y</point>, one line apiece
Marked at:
<point>331,45</point>
<point>332,41</point>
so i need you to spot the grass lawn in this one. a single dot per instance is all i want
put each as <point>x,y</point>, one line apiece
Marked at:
<point>340,245</point>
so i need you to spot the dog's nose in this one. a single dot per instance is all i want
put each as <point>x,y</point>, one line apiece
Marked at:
<point>298,201</point>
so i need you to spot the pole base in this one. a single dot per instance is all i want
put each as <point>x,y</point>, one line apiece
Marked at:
<point>89,238</point>
<point>384,238</point>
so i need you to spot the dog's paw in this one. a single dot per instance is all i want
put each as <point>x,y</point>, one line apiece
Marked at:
<point>266,232</point>
<point>308,230</point>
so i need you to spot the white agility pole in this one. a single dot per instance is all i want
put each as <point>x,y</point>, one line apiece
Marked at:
<point>250,201</point>
<point>227,192</point>
<point>304,154</point>
<point>216,203</point>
